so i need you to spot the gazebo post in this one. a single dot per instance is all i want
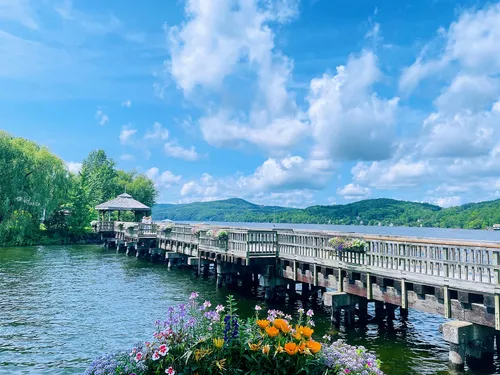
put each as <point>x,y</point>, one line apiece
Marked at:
<point>119,215</point>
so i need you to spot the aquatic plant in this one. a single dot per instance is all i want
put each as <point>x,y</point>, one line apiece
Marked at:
<point>341,243</point>
<point>196,338</point>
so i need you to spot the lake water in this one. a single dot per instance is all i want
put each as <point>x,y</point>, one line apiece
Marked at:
<point>61,306</point>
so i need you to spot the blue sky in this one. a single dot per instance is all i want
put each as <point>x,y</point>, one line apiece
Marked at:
<point>276,101</point>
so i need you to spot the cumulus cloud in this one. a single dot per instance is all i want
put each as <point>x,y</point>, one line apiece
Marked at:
<point>221,38</point>
<point>392,174</point>
<point>127,103</point>
<point>348,120</point>
<point>163,180</point>
<point>176,151</point>
<point>101,117</point>
<point>451,201</point>
<point>353,192</point>
<point>126,134</point>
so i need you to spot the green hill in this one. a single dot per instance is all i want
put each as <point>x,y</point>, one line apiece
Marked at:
<point>367,212</point>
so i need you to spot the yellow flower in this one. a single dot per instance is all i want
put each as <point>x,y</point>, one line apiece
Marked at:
<point>263,323</point>
<point>200,353</point>
<point>272,331</point>
<point>265,349</point>
<point>297,336</point>
<point>279,349</point>
<point>254,347</point>
<point>218,342</point>
<point>220,364</point>
<point>291,348</point>
<point>314,346</point>
<point>302,347</point>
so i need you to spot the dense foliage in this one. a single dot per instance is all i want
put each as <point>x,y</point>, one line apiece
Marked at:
<point>195,339</point>
<point>368,212</point>
<point>42,202</point>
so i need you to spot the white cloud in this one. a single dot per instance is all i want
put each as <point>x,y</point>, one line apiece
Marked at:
<point>158,132</point>
<point>392,173</point>
<point>101,117</point>
<point>222,38</point>
<point>460,134</point>
<point>293,172</point>
<point>176,151</point>
<point>348,120</point>
<point>282,133</point>
<point>163,180</point>
<point>451,201</point>
<point>74,167</point>
<point>126,134</point>
<point>19,11</point>
<point>127,157</point>
<point>353,192</point>
<point>127,103</point>
<point>473,41</point>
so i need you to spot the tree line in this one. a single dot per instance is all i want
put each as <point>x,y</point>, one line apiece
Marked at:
<point>41,201</point>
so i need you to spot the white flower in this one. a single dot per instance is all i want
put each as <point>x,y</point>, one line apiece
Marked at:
<point>301,310</point>
<point>207,304</point>
<point>258,308</point>
<point>170,371</point>
<point>156,355</point>
<point>219,308</point>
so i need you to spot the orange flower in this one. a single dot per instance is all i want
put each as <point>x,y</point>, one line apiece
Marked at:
<point>314,346</point>
<point>278,323</point>
<point>286,328</point>
<point>263,323</point>
<point>291,348</point>
<point>272,331</point>
<point>254,347</point>
<point>305,331</point>
<point>297,336</point>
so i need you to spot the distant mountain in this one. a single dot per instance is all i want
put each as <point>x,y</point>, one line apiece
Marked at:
<point>367,212</point>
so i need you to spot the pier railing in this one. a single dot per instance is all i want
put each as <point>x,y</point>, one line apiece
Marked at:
<point>461,263</point>
<point>105,226</point>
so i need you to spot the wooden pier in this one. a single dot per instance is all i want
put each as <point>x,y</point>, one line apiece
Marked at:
<point>454,278</point>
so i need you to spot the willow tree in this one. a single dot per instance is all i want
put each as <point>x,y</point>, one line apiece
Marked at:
<point>33,184</point>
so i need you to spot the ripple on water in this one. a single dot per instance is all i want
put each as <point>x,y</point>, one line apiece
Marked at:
<point>61,306</point>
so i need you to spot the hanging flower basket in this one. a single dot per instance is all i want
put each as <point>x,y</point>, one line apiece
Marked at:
<point>354,245</point>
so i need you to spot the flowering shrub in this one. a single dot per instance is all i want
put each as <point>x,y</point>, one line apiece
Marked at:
<point>220,234</point>
<point>347,243</point>
<point>198,339</point>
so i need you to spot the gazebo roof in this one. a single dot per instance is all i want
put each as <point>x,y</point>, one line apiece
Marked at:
<point>123,202</point>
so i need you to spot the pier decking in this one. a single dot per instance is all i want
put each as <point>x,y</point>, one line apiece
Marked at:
<point>455,278</point>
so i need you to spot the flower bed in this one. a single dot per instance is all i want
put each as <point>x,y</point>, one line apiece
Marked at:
<point>348,244</point>
<point>196,339</point>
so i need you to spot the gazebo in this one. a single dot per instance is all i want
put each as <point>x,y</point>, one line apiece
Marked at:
<point>123,202</point>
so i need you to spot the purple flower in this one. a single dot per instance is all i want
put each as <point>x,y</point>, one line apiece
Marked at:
<point>310,313</point>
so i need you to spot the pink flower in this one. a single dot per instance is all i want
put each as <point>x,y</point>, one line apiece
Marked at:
<point>347,371</point>
<point>193,295</point>
<point>207,304</point>
<point>309,313</point>
<point>138,357</point>
<point>258,308</point>
<point>163,350</point>
<point>219,308</point>
<point>170,371</point>
<point>156,355</point>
